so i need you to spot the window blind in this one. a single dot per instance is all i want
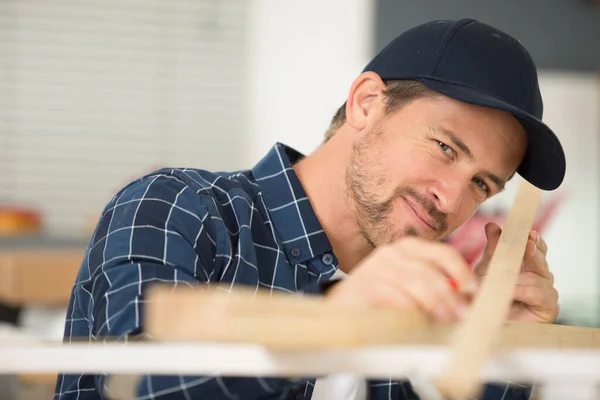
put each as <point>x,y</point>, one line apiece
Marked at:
<point>95,93</point>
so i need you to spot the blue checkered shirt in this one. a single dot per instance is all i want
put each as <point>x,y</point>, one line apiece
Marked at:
<point>190,226</point>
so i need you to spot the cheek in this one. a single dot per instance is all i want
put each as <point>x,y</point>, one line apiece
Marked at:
<point>468,208</point>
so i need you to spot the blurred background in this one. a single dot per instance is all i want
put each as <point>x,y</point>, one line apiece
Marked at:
<point>96,93</point>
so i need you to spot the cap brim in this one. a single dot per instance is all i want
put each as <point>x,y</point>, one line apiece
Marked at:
<point>544,163</point>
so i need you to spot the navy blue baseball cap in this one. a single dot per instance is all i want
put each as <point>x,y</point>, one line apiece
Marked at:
<point>470,61</point>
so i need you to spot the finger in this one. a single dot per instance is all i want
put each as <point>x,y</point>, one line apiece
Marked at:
<point>443,256</point>
<point>542,245</point>
<point>533,292</point>
<point>532,279</point>
<point>432,291</point>
<point>539,241</point>
<point>425,284</point>
<point>540,297</point>
<point>535,261</point>
<point>532,296</point>
<point>492,234</point>
<point>388,295</point>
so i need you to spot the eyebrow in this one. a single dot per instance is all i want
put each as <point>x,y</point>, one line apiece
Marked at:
<point>462,146</point>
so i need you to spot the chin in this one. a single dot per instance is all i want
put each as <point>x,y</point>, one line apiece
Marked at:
<point>428,234</point>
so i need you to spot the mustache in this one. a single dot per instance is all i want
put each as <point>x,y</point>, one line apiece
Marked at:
<point>440,218</point>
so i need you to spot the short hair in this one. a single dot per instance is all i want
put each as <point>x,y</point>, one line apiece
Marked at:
<point>398,93</point>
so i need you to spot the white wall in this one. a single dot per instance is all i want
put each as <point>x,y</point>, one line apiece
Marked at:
<point>573,109</point>
<point>304,57</point>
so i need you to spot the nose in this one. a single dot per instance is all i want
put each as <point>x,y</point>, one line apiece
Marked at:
<point>447,193</point>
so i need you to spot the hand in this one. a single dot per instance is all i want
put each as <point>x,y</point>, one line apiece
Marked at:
<point>410,273</point>
<point>535,298</point>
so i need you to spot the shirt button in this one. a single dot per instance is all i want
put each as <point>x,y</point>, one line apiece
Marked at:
<point>327,259</point>
<point>517,391</point>
<point>296,252</point>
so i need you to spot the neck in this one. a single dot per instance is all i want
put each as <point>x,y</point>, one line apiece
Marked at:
<point>323,177</point>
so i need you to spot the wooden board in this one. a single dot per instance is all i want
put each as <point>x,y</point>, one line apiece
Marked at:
<point>288,322</point>
<point>277,320</point>
<point>39,379</point>
<point>38,276</point>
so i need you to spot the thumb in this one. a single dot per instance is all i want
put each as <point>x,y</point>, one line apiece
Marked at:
<point>492,234</point>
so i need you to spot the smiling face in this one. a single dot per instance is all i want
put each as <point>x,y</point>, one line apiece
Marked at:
<point>425,169</point>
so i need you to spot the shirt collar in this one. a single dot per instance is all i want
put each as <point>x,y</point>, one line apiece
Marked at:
<point>292,214</point>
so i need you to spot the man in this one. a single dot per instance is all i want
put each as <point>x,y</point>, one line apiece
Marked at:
<point>436,124</point>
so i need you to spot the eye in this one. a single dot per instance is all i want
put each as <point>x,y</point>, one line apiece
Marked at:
<point>446,149</point>
<point>481,185</point>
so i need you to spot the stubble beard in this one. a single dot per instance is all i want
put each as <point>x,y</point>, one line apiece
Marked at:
<point>373,216</point>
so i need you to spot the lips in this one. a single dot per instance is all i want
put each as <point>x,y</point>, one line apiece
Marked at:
<point>422,214</point>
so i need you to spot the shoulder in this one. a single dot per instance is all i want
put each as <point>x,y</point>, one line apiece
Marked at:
<point>189,188</point>
<point>167,213</point>
<point>181,200</point>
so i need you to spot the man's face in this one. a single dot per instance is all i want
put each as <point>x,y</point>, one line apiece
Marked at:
<point>425,169</point>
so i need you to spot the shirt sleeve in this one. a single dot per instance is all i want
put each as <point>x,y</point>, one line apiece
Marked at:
<point>155,230</point>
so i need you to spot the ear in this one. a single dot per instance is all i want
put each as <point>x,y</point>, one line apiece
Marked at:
<point>360,105</point>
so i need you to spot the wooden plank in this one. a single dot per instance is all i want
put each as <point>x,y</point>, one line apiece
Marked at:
<point>531,335</point>
<point>474,342</point>
<point>277,320</point>
<point>38,379</point>
<point>288,322</point>
<point>38,276</point>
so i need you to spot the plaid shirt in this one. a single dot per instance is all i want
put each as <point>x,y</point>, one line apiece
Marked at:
<point>185,226</point>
